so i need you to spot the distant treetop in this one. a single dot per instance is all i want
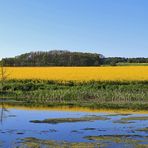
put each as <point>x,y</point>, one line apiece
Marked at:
<point>55,58</point>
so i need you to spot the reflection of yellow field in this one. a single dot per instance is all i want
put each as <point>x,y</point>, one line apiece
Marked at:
<point>80,73</point>
<point>79,109</point>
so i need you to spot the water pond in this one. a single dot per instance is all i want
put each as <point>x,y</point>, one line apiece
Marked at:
<point>71,127</point>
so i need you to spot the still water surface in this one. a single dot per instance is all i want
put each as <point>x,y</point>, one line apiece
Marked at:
<point>16,130</point>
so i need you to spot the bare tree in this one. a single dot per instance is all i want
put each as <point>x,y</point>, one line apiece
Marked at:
<point>3,78</point>
<point>3,75</point>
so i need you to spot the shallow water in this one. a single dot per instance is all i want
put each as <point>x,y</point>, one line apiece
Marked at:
<point>15,128</point>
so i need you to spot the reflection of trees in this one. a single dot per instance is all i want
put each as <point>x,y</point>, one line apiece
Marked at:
<point>2,112</point>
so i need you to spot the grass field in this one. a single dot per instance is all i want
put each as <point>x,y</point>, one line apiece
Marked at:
<point>119,73</point>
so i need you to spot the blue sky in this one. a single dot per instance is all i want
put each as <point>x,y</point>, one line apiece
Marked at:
<point>110,27</point>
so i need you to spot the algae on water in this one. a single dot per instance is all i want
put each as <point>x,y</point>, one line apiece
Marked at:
<point>143,129</point>
<point>64,120</point>
<point>131,119</point>
<point>132,140</point>
<point>31,142</point>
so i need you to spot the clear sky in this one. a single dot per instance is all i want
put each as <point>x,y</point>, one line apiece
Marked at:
<point>110,27</point>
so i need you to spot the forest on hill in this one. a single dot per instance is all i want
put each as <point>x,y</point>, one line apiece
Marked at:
<point>67,58</point>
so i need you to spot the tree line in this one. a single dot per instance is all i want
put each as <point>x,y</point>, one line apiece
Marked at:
<point>115,60</point>
<point>54,58</point>
<point>67,58</point>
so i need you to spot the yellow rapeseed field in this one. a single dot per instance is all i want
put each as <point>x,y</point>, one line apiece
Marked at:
<point>128,73</point>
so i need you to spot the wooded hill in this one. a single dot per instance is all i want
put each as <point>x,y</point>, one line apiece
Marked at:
<point>67,58</point>
<point>54,58</point>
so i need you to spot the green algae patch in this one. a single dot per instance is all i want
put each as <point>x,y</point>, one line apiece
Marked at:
<point>131,140</point>
<point>113,138</point>
<point>143,129</point>
<point>38,143</point>
<point>100,141</point>
<point>135,118</point>
<point>64,120</point>
<point>123,122</point>
<point>130,120</point>
<point>118,115</point>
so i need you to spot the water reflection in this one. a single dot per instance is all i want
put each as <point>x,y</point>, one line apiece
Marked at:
<point>20,132</point>
<point>2,112</point>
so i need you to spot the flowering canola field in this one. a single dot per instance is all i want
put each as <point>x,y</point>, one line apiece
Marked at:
<point>127,73</point>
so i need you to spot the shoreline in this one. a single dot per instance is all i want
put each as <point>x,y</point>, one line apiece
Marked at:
<point>74,108</point>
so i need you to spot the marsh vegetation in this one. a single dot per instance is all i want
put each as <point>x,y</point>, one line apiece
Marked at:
<point>107,94</point>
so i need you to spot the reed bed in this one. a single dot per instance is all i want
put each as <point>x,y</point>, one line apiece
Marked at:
<point>125,95</point>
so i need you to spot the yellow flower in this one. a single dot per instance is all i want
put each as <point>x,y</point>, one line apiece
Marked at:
<point>120,73</point>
